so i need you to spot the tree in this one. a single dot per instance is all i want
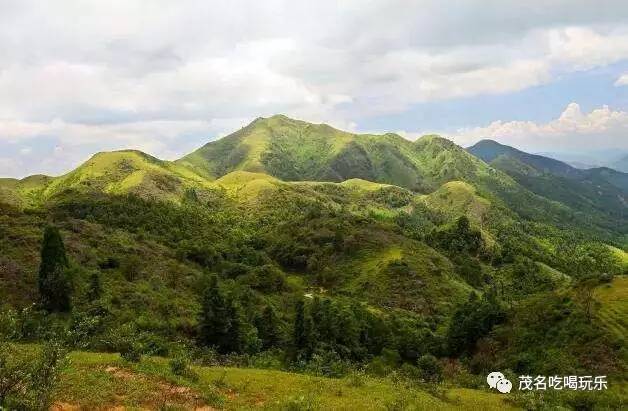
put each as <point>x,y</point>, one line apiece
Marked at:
<point>268,328</point>
<point>95,287</point>
<point>215,321</point>
<point>55,286</point>
<point>299,338</point>
<point>472,321</point>
<point>304,329</point>
<point>429,368</point>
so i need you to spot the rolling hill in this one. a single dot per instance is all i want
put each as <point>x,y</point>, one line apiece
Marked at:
<point>294,150</point>
<point>599,192</point>
<point>321,251</point>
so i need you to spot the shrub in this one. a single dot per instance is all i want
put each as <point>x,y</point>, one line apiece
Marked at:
<point>180,365</point>
<point>356,378</point>
<point>410,372</point>
<point>430,369</point>
<point>28,379</point>
<point>131,352</point>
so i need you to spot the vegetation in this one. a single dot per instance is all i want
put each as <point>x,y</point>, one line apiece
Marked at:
<point>405,283</point>
<point>54,283</point>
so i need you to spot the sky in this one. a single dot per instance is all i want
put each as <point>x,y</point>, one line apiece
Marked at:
<point>165,77</point>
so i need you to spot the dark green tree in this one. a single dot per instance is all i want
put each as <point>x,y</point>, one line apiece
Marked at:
<point>429,368</point>
<point>269,328</point>
<point>55,285</point>
<point>95,287</point>
<point>299,337</point>
<point>304,330</point>
<point>216,318</point>
<point>473,320</point>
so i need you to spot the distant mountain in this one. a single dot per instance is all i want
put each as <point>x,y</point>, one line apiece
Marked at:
<point>294,150</point>
<point>599,191</point>
<point>534,187</point>
<point>621,164</point>
<point>611,158</point>
<point>489,150</point>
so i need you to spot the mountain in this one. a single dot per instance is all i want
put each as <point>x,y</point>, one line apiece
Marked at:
<point>600,192</point>
<point>489,151</point>
<point>294,150</point>
<point>620,165</point>
<point>302,247</point>
<point>117,172</point>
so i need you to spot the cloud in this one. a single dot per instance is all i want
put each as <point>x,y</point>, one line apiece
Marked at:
<point>573,130</point>
<point>96,75</point>
<point>622,80</point>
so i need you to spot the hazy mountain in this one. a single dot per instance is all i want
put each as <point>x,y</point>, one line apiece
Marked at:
<point>600,192</point>
<point>616,159</point>
<point>620,165</point>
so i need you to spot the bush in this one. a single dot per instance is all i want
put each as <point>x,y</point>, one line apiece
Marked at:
<point>410,372</point>
<point>267,279</point>
<point>180,365</point>
<point>356,378</point>
<point>328,364</point>
<point>28,379</point>
<point>430,369</point>
<point>131,353</point>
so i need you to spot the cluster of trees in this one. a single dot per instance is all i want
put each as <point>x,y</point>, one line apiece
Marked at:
<point>353,332</point>
<point>247,304</point>
<point>458,238</point>
<point>473,321</point>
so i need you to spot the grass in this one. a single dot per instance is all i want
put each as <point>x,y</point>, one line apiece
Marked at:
<point>458,198</point>
<point>406,275</point>
<point>95,380</point>
<point>613,311</point>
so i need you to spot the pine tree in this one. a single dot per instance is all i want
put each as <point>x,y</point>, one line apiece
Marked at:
<point>55,287</point>
<point>268,328</point>
<point>299,337</point>
<point>95,287</point>
<point>215,321</point>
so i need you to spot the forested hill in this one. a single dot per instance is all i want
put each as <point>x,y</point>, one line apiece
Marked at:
<point>294,150</point>
<point>302,247</point>
<point>601,193</point>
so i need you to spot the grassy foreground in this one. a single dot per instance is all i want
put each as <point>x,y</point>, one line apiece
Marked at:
<point>105,381</point>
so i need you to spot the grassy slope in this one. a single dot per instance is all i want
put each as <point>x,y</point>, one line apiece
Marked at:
<point>457,198</point>
<point>430,286</point>
<point>613,310</point>
<point>116,172</point>
<point>294,150</point>
<point>100,380</point>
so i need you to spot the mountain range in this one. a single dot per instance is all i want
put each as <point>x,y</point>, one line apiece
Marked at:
<point>535,187</point>
<point>324,248</point>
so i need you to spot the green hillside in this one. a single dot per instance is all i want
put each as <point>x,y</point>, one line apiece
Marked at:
<point>613,310</point>
<point>601,194</point>
<point>313,253</point>
<point>294,150</point>
<point>94,381</point>
<point>117,172</point>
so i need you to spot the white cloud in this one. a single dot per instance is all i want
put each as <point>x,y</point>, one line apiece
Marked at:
<point>622,80</point>
<point>572,130</point>
<point>149,74</point>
